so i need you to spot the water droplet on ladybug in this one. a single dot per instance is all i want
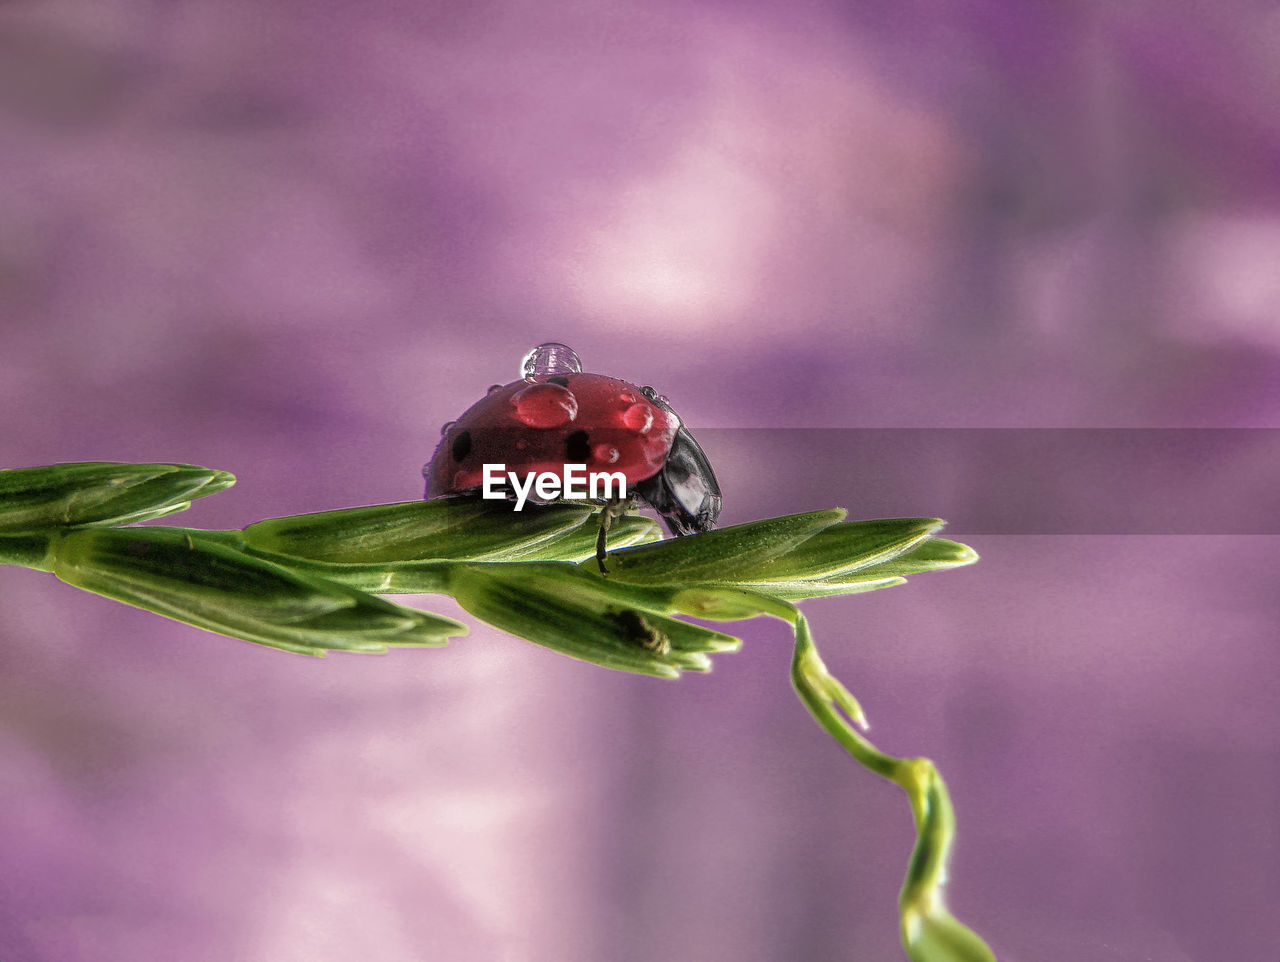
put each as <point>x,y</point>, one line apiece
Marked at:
<point>494,387</point>
<point>605,454</point>
<point>654,396</point>
<point>550,358</point>
<point>445,429</point>
<point>545,405</point>
<point>638,418</point>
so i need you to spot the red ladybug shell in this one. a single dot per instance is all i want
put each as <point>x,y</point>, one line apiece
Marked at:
<point>540,424</point>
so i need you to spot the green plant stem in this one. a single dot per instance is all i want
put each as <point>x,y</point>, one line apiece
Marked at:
<point>929,932</point>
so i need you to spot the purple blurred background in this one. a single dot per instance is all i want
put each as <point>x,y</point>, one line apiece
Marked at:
<point>290,240</point>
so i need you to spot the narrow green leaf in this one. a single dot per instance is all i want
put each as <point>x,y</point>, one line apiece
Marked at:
<point>584,616</point>
<point>391,578</point>
<point>801,590</point>
<point>854,557</point>
<point>448,529</point>
<point>579,544</point>
<point>208,583</point>
<point>848,546</point>
<point>723,556</point>
<point>572,538</point>
<point>729,604</point>
<point>100,493</point>
<point>934,554</point>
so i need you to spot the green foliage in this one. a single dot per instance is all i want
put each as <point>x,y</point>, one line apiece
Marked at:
<point>211,584</point>
<point>458,530</point>
<point>100,492</point>
<point>577,613</point>
<point>310,584</point>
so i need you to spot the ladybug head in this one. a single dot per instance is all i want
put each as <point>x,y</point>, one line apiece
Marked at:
<point>685,491</point>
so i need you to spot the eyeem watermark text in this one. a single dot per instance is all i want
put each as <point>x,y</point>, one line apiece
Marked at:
<point>575,485</point>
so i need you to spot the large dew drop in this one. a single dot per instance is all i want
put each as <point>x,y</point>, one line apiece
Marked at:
<point>550,358</point>
<point>545,405</point>
<point>638,418</point>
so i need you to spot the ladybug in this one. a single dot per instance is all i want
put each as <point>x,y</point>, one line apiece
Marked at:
<point>557,416</point>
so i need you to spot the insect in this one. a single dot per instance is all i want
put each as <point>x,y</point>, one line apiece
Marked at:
<point>556,416</point>
<point>634,626</point>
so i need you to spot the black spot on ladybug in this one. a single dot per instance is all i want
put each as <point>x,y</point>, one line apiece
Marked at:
<point>577,448</point>
<point>633,625</point>
<point>559,379</point>
<point>461,446</point>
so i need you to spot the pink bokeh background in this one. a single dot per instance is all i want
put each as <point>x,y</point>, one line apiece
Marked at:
<point>291,240</point>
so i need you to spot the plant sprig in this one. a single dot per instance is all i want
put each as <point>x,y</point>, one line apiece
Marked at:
<point>310,584</point>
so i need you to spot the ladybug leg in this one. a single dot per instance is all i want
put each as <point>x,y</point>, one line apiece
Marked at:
<point>615,508</point>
